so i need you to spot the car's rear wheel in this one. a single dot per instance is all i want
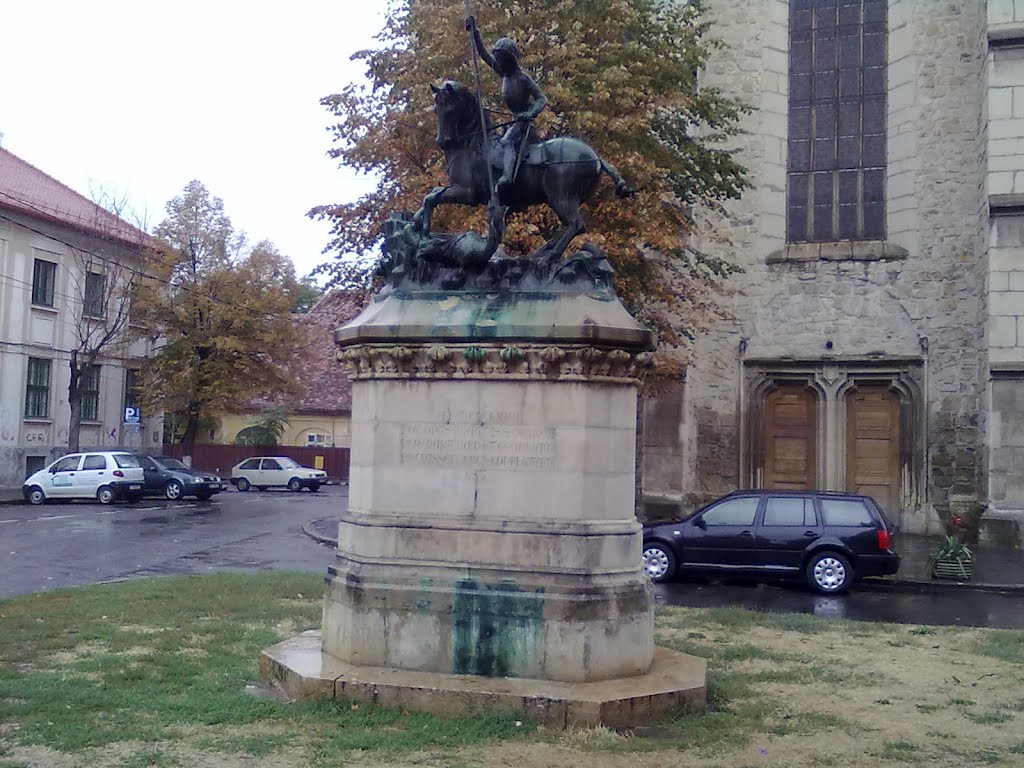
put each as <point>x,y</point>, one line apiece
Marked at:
<point>242,484</point>
<point>829,573</point>
<point>36,495</point>
<point>294,485</point>
<point>105,495</point>
<point>173,490</point>
<point>659,562</point>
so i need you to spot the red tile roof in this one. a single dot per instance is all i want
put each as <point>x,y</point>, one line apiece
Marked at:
<point>26,189</point>
<point>323,385</point>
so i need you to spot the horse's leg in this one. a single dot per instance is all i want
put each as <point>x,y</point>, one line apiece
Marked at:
<point>421,219</point>
<point>495,224</point>
<point>567,208</point>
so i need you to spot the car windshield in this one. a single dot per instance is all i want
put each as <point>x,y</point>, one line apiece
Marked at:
<point>169,463</point>
<point>126,460</point>
<point>287,463</point>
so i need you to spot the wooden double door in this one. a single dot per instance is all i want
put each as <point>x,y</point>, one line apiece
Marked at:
<point>872,448</point>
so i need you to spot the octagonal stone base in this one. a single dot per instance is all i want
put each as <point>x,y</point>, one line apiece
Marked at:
<point>674,682</point>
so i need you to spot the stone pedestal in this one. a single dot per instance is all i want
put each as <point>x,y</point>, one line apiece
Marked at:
<point>490,530</point>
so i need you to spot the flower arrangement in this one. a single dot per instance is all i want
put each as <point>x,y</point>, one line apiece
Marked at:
<point>965,522</point>
<point>953,560</point>
<point>957,527</point>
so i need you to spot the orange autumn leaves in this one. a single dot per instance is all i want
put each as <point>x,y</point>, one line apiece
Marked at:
<point>619,74</point>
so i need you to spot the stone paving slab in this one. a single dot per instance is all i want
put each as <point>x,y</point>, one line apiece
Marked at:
<point>676,681</point>
<point>995,568</point>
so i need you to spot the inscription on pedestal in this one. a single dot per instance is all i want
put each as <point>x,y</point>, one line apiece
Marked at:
<point>478,440</point>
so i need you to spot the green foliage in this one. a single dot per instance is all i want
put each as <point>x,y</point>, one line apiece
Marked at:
<point>898,750</point>
<point>989,718</point>
<point>307,293</point>
<point>804,623</point>
<point>221,312</point>
<point>952,549</point>
<point>620,74</point>
<point>267,431</point>
<point>1005,645</point>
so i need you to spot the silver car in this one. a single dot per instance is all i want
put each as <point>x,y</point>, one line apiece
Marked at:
<point>276,472</point>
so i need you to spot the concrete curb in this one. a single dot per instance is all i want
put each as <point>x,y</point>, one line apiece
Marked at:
<point>319,537</point>
<point>879,584</point>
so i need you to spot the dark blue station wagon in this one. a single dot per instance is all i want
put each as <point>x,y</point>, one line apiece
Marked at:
<point>830,539</point>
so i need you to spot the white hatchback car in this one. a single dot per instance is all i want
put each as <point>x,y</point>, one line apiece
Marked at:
<point>105,476</point>
<point>276,471</point>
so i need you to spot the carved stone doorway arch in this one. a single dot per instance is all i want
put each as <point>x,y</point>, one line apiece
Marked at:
<point>837,425</point>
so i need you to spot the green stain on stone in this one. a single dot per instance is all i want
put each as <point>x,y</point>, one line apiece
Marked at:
<point>425,602</point>
<point>497,628</point>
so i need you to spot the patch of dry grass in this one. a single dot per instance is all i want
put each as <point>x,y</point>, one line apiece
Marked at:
<point>789,691</point>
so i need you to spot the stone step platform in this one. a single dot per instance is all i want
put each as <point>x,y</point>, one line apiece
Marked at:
<point>676,681</point>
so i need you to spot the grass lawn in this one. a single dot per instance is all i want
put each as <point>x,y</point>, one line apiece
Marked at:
<point>154,673</point>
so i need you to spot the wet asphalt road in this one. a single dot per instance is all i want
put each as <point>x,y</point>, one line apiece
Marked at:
<point>865,602</point>
<point>77,543</point>
<point>58,545</point>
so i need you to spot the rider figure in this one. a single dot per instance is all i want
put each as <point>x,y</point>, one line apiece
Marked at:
<point>520,94</point>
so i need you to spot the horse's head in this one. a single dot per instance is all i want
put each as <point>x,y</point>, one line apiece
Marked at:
<point>458,115</point>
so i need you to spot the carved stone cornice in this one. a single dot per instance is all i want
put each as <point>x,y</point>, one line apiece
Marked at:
<point>543,362</point>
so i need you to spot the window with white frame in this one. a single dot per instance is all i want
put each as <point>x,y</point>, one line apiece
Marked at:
<point>317,440</point>
<point>44,281</point>
<point>37,389</point>
<point>95,298</point>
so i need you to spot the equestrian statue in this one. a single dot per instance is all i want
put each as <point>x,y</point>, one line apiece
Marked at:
<point>561,172</point>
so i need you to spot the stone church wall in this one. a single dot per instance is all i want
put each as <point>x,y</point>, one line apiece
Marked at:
<point>917,298</point>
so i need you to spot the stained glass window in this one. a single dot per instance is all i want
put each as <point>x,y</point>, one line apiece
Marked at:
<point>837,102</point>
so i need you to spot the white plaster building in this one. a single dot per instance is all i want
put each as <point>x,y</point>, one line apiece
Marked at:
<point>60,254</point>
<point>878,339</point>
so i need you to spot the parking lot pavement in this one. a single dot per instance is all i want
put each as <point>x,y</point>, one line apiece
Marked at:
<point>958,608</point>
<point>73,543</point>
<point>76,543</point>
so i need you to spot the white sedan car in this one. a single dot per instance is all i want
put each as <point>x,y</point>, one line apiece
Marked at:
<point>104,476</point>
<point>276,471</point>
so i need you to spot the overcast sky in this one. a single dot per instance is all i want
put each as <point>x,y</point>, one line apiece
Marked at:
<point>141,97</point>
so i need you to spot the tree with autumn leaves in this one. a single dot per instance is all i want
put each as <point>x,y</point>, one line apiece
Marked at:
<point>623,75</point>
<point>220,312</point>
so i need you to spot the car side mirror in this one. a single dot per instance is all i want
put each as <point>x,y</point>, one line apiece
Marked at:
<point>53,470</point>
<point>699,522</point>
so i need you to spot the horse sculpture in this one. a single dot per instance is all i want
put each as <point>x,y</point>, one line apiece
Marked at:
<point>562,172</point>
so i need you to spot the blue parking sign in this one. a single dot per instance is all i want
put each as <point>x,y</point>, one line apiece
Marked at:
<point>132,415</point>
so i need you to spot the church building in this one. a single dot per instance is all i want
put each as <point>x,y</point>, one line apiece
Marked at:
<point>876,336</point>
